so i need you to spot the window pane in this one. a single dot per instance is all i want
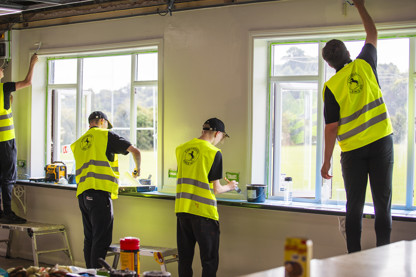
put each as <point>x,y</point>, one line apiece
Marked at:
<point>146,67</point>
<point>123,160</point>
<point>146,143</point>
<point>146,103</point>
<point>295,59</point>
<point>63,71</point>
<point>106,87</point>
<point>298,113</point>
<point>392,69</point>
<point>414,201</point>
<point>393,72</point>
<point>64,123</point>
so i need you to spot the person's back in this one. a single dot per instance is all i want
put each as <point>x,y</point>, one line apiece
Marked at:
<point>195,158</point>
<point>199,171</point>
<point>94,170</point>
<point>97,174</point>
<point>358,95</point>
<point>356,115</point>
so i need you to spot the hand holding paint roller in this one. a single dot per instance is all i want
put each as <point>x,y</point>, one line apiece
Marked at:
<point>135,173</point>
<point>233,185</point>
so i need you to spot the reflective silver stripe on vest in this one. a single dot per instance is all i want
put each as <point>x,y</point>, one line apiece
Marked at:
<point>99,176</point>
<point>364,109</point>
<point>196,198</point>
<point>91,162</point>
<point>6,128</point>
<point>194,182</point>
<point>363,126</point>
<point>6,116</point>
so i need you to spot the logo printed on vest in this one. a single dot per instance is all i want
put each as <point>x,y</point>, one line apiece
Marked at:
<point>87,142</point>
<point>355,83</point>
<point>191,155</point>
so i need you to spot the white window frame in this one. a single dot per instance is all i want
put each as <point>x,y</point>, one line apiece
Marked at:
<point>260,84</point>
<point>44,137</point>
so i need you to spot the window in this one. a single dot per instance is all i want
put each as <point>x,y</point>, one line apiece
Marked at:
<point>294,87</point>
<point>122,85</point>
<point>293,135</point>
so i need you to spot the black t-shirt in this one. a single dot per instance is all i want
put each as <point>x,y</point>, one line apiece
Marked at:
<point>116,145</point>
<point>215,172</point>
<point>331,107</point>
<point>8,88</point>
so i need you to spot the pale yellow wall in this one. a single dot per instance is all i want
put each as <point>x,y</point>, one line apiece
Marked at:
<point>205,73</point>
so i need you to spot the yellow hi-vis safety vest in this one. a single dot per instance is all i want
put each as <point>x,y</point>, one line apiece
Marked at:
<point>194,193</point>
<point>6,119</point>
<point>363,114</point>
<point>93,169</point>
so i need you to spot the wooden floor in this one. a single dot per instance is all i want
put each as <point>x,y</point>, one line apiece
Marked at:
<point>14,262</point>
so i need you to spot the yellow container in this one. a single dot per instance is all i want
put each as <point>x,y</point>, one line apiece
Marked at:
<point>297,258</point>
<point>130,254</point>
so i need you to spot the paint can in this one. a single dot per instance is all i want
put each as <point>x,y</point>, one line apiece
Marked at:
<point>256,193</point>
<point>129,254</point>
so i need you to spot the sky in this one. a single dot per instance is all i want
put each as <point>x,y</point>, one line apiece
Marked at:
<point>394,51</point>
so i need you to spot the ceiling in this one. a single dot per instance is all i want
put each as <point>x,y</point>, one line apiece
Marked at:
<point>16,6</point>
<point>19,14</point>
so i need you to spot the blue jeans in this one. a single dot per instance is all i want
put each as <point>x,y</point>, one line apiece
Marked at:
<point>373,161</point>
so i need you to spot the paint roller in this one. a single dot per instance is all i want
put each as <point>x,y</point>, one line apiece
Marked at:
<point>38,44</point>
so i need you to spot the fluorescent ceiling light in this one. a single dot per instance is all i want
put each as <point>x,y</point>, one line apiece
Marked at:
<point>4,11</point>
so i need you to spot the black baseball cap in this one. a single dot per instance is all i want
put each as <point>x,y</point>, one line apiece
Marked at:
<point>99,115</point>
<point>214,124</point>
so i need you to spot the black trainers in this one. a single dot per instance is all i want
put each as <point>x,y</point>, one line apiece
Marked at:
<point>12,218</point>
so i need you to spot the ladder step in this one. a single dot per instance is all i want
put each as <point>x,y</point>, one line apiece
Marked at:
<point>52,250</point>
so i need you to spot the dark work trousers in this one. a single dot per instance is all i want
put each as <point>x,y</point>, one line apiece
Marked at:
<point>205,231</point>
<point>97,217</point>
<point>373,161</point>
<point>8,172</point>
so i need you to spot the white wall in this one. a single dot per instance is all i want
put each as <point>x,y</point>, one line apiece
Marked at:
<point>206,73</point>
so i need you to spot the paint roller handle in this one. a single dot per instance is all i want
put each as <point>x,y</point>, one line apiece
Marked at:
<point>135,173</point>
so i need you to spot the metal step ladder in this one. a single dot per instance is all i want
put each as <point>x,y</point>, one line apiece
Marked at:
<point>34,230</point>
<point>158,253</point>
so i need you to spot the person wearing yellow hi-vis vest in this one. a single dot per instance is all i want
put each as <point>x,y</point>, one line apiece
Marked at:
<point>8,151</point>
<point>356,115</point>
<point>198,180</point>
<point>97,176</point>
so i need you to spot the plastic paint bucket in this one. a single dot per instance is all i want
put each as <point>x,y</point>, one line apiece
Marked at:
<point>256,193</point>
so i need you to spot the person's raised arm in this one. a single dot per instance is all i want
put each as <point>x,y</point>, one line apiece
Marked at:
<point>369,26</point>
<point>28,80</point>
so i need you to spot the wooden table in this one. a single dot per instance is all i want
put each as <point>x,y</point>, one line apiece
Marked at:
<point>393,260</point>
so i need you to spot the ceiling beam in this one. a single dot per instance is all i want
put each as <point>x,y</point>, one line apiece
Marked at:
<point>109,10</point>
<point>63,2</point>
<point>42,4</point>
<point>12,6</point>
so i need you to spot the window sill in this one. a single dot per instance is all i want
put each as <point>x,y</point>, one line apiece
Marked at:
<point>277,205</point>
